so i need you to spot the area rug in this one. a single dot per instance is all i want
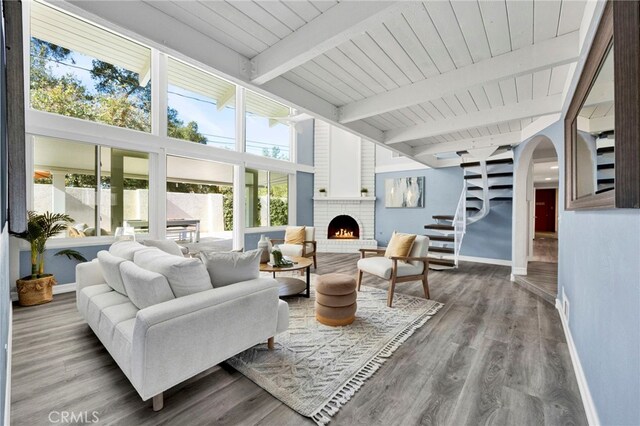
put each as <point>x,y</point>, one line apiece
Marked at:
<point>315,369</point>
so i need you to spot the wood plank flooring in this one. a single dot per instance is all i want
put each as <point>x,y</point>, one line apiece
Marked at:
<point>541,279</point>
<point>494,354</point>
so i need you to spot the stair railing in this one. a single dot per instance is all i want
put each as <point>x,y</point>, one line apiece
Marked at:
<point>459,225</point>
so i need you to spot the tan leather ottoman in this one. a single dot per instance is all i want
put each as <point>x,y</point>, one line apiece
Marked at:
<point>336,299</point>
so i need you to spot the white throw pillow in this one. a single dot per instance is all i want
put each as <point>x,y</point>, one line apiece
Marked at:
<point>185,276</point>
<point>125,249</point>
<point>167,246</point>
<point>230,267</point>
<point>144,288</point>
<point>110,266</point>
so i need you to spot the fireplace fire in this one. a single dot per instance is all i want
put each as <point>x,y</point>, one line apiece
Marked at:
<point>343,227</point>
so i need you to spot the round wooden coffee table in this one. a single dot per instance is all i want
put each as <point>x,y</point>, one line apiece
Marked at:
<point>290,286</point>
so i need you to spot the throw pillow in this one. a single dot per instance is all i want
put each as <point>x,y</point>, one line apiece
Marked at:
<point>400,245</point>
<point>294,235</point>
<point>144,288</point>
<point>110,266</point>
<point>185,276</point>
<point>167,246</point>
<point>125,249</point>
<point>229,268</point>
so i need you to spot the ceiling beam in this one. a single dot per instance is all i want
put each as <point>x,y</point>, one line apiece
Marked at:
<point>527,109</point>
<point>467,144</point>
<point>546,54</point>
<point>330,29</point>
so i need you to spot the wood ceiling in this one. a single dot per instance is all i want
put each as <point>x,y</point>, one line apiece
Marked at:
<point>420,77</point>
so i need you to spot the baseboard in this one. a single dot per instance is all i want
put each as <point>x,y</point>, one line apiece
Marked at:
<point>486,260</point>
<point>57,289</point>
<point>7,390</point>
<point>519,271</point>
<point>585,393</point>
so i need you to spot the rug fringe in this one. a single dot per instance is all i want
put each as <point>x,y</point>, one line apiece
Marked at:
<point>323,416</point>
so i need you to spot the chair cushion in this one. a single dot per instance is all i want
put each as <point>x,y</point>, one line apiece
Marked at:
<point>291,249</point>
<point>185,276</point>
<point>167,246</point>
<point>400,245</point>
<point>144,288</point>
<point>125,249</point>
<point>310,235</point>
<point>110,266</point>
<point>111,316</point>
<point>381,267</point>
<point>87,293</point>
<point>294,235</point>
<point>121,344</point>
<point>226,268</point>
<point>335,284</point>
<point>420,248</point>
<point>99,302</point>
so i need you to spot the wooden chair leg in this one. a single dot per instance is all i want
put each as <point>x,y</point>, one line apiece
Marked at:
<point>315,262</point>
<point>271,343</point>
<point>158,402</point>
<point>425,285</point>
<point>392,288</point>
<point>359,279</point>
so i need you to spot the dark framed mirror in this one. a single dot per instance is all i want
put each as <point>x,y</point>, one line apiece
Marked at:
<point>602,125</point>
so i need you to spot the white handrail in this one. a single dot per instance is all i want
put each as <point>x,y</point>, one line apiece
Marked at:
<point>459,224</point>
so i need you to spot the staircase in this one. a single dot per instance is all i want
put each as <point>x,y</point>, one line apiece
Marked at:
<point>605,150</point>
<point>486,182</point>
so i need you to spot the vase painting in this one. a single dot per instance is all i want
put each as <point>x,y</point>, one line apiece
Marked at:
<point>405,192</point>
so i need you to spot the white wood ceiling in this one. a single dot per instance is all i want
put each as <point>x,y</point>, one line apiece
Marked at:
<point>411,75</point>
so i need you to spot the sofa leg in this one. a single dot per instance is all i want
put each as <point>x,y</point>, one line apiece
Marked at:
<point>271,343</point>
<point>158,402</point>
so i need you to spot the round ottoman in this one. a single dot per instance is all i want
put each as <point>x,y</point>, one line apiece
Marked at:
<point>335,299</point>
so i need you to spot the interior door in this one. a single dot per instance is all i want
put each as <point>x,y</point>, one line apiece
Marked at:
<point>545,210</point>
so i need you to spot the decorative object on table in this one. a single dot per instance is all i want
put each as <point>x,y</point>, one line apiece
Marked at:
<point>336,299</point>
<point>125,233</point>
<point>277,260</point>
<point>364,192</point>
<point>322,192</point>
<point>405,192</point>
<point>263,246</point>
<point>36,288</point>
<point>315,369</point>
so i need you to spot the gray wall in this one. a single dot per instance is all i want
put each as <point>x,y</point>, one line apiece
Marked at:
<point>251,240</point>
<point>304,194</point>
<point>599,270</point>
<point>488,238</point>
<point>305,142</point>
<point>63,268</point>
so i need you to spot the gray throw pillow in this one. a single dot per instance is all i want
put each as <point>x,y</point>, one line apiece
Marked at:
<point>167,246</point>
<point>144,288</point>
<point>125,249</point>
<point>110,266</point>
<point>185,276</point>
<point>229,267</point>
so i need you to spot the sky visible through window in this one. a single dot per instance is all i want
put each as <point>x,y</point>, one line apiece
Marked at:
<point>217,126</point>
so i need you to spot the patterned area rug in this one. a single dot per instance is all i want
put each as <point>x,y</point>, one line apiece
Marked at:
<point>315,369</point>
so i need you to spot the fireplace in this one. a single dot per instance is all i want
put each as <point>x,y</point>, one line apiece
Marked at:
<point>343,227</point>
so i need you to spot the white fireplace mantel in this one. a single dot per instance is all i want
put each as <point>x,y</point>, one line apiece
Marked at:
<point>323,198</point>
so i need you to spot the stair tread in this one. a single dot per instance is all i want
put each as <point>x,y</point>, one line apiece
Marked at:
<point>489,175</point>
<point>606,166</point>
<point>443,217</point>
<point>474,198</point>
<point>442,249</point>
<point>607,180</point>
<point>600,191</point>
<point>443,238</point>
<point>501,187</point>
<point>470,209</point>
<point>606,150</point>
<point>439,226</point>
<point>490,162</point>
<point>443,262</point>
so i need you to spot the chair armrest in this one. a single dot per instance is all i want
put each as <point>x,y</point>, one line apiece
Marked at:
<point>410,259</point>
<point>304,247</point>
<point>364,251</point>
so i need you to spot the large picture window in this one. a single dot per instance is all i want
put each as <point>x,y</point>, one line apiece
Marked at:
<point>268,127</point>
<point>266,198</point>
<point>80,70</point>
<point>201,106</point>
<point>64,183</point>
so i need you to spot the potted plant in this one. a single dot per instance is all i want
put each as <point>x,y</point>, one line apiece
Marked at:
<point>322,192</point>
<point>36,289</point>
<point>364,192</point>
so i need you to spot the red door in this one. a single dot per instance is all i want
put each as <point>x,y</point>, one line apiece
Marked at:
<point>545,210</point>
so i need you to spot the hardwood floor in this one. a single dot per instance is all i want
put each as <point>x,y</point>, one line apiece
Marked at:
<point>545,247</point>
<point>541,279</point>
<point>494,354</point>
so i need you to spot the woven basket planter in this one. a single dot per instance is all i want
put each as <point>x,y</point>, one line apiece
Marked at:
<point>35,291</point>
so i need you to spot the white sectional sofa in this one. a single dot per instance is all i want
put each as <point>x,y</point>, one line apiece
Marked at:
<point>160,340</point>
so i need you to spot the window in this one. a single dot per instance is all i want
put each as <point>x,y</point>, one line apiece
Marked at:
<point>200,201</point>
<point>266,198</point>
<point>64,183</point>
<point>268,127</point>
<point>82,71</point>
<point>201,106</point>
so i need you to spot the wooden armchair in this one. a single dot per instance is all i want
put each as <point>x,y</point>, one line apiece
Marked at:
<point>414,267</point>
<point>306,249</point>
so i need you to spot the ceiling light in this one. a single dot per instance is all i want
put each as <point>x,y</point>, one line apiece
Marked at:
<point>547,178</point>
<point>553,167</point>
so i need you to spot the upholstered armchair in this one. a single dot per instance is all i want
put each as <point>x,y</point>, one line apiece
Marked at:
<point>397,269</point>
<point>306,248</point>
